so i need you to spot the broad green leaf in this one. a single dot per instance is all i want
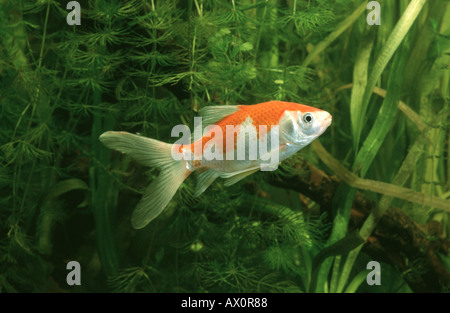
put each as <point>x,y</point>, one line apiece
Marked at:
<point>360,72</point>
<point>392,43</point>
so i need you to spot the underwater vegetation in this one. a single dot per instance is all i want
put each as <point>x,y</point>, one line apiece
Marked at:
<point>373,187</point>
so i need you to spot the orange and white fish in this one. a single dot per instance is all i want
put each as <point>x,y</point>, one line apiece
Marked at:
<point>284,126</point>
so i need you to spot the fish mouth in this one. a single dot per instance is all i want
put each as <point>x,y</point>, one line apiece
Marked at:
<point>327,121</point>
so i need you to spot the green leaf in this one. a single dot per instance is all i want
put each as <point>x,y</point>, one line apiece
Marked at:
<point>360,73</point>
<point>247,46</point>
<point>385,116</point>
<point>398,34</point>
<point>356,282</point>
<point>65,186</point>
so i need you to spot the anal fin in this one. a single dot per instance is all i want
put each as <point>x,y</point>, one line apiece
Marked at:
<point>234,178</point>
<point>204,180</point>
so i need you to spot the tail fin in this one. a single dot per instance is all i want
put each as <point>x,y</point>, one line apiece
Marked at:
<point>153,153</point>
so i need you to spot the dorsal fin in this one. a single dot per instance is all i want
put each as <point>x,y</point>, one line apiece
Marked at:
<point>213,114</point>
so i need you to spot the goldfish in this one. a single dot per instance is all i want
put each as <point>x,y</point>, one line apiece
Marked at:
<point>238,140</point>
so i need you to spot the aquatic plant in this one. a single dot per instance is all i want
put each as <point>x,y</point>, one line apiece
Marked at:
<point>379,175</point>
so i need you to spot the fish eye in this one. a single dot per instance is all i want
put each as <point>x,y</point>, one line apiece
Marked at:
<point>308,118</point>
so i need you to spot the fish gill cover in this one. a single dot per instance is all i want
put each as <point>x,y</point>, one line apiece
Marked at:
<point>379,175</point>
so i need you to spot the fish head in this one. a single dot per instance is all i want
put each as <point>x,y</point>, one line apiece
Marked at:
<point>302,126</point>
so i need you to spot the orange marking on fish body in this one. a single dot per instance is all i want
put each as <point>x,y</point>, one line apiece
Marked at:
<point>266,113</point>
